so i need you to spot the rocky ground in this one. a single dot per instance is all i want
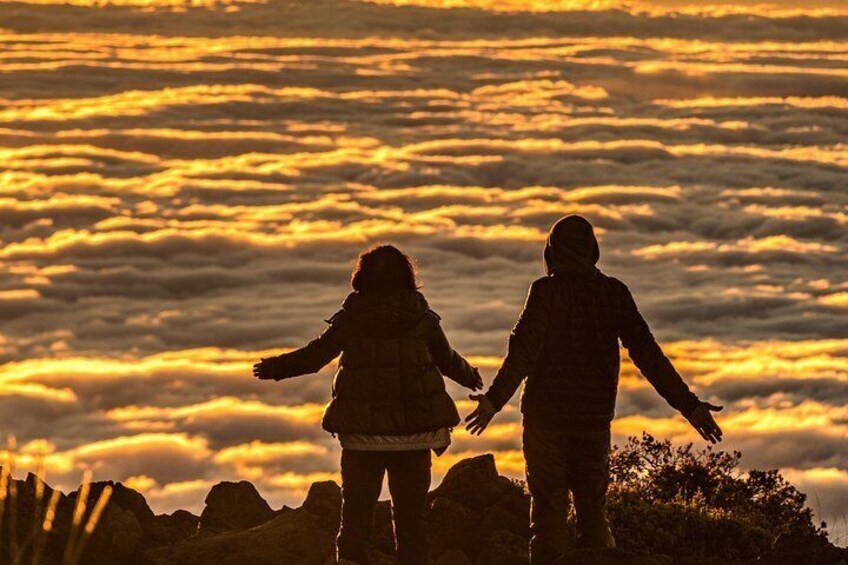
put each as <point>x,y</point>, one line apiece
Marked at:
<point>475,516</point>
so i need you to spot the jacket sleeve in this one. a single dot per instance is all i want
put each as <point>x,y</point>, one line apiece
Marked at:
<point>310,358</point>
<point>450,363</point>
<point>525,344</point>
<point>650,359</point>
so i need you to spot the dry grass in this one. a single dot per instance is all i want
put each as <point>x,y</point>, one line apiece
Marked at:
<point>30,548</point>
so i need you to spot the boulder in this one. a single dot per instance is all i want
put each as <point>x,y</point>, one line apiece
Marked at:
<point>324,501</point>
<point>502,547</point>
<point>295,537</point>
<point>167,529</point>
<point>452,557</point>
<point>119,537</point>
<point>233,506</point>
<point>475,483</point>
<point>474,517</point>
<point>451,526</point>
<point>121,532</point>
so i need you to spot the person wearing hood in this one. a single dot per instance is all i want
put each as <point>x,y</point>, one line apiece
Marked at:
<point>566,346</point>
<point>389,405</point>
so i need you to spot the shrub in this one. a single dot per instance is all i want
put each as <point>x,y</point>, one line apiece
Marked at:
<point>698,507</point>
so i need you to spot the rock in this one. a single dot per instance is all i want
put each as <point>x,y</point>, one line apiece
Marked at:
<point>503,547</point>
<point>452,557</point>
<point>324,501</point>
<point>473,517</point>
<point>121,532</point>
<point>127,498</point>
<point>118,538</point>
<point>474,508</point>
<point>451,525</point>
<point>28,515</point>
<point>295,537</point>
<point>498,518</point>
<point>233,506</point>
<point>168,529</point>
<point>475,483</point>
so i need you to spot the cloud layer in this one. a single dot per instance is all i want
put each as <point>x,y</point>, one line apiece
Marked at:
<point>180,197</point>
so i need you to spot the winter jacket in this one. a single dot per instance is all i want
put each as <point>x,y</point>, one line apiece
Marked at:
<point>566,341</point>
<point>393,356</point>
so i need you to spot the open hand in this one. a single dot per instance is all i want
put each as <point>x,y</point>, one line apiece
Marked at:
<point>478,380</point>
<point>261,371</point>
<point>702,420</point>
<point>479,419</point>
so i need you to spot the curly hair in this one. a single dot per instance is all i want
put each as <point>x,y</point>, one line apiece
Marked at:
<point>384,268</point>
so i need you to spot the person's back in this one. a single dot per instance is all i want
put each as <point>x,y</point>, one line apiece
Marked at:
<point>566,343</point>
<point>574,381</point>
<point>389,407</point>
<point>389,382</point>
<point>566,346</point>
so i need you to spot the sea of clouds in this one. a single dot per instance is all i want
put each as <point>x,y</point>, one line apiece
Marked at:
<point>184,189</point>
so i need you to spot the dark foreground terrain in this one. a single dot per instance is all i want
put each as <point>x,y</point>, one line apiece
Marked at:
<point>668,505</point>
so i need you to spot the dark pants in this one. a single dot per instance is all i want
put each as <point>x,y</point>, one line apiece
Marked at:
<point>560,463</point>
<point>362,481</point>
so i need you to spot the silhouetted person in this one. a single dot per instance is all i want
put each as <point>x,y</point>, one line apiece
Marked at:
<point>566,344</point>
<point>389,405</point>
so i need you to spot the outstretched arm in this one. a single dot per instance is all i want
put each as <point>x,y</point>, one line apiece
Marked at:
<point>310,358</point>
<point>647,355</point>
<point>525,344</point>
<point>451,364</point>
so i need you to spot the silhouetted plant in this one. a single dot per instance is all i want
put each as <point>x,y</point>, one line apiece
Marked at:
<point>22,544</point>
<point>677,500</point>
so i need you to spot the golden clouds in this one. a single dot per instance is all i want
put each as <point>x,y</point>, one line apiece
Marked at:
<point>777,243</point>
<point>153,443</point>
<point>285,469</point>
<point>221,409</point>
<point>839,299</point>
<point>796,101</point>
<point>151,4</point>
<point>653,8</point>
<point>195,203</point>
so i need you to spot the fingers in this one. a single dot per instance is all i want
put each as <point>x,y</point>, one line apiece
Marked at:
<point>478,425</point>
<point>259,371</point>
<point>478,380</point>
<point>479,419</point>
<point>710,433</point>
<point>715,430</point>
<point>706,434</point>
<point>477,430</point>
<point>708,423</point>
<point>706,427</point>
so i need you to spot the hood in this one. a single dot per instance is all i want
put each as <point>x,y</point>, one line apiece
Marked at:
<point>385,315</point>
<point>572,247</point>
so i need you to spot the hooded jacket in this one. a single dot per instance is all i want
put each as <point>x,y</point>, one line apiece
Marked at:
<point>566,341</point>
<point>393,355</point>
